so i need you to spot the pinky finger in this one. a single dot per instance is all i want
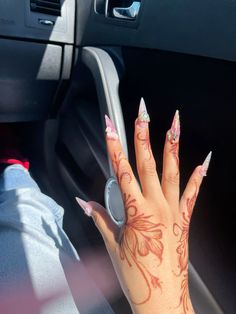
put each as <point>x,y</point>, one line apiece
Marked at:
<point>190,194</point>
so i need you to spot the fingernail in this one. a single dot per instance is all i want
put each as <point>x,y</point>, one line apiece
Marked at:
<point>110,129</point>
<point>205,165</point>
<point>143,116</point>
<point>174,132</point>
<point>87,208</point>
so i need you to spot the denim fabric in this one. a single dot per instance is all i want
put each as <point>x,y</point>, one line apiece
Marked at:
<point>36,255</point>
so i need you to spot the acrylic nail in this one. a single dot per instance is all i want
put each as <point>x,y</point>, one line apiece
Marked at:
<point>110,129</point>
<point>174,132</point>
<point>205,165</point>
<point>143,116</point>
<point>87,208</point>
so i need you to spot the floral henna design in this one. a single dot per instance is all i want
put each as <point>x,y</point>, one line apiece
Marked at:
<point>184,301</point>
<point>118,158</point>
<point>182,249</point>
<point>141,237</point>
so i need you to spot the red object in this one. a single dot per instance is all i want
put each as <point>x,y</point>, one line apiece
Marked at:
<point>12,161</point>
<point>10,152</point>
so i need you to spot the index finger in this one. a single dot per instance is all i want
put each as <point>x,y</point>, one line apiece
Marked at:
<point>124,173</point>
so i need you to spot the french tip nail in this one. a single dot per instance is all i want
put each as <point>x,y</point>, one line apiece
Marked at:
<point>206,164</point>
<point>110,129</point>
<point>85,206</point>
<point>176,117</point>
<point>143,115</point>
<point>107,119</point>
<point>142,107</point>
<point>110,124</point>
<point>174,132</point>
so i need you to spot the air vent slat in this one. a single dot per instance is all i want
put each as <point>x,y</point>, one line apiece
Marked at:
<point>51,7</point>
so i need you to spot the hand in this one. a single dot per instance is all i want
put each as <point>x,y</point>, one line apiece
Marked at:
<point>150,253</point>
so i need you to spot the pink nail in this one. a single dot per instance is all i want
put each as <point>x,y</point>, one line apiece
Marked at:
<point>143,116</point>
<point>87,208</point>
<point>205,165</point>
<point>174,132</point>
<point>110,129</point>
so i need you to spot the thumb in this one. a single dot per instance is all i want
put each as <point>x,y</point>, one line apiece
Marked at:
<point>101,219</point>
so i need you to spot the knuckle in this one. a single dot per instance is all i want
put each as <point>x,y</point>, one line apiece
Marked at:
<point>172,178</point>
<point>124,166</point>
<point>148,167</point>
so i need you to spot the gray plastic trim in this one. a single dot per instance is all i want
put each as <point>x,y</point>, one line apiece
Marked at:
<point>202,299</point>
<point>107,84</point>
<point>204,28</point>
<point>67,62</point>
<point>29,77</point>
<point>17,21</point>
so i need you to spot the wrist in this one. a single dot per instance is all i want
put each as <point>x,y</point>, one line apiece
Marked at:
<point>171,300</point>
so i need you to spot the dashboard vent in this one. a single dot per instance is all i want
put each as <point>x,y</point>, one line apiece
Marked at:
<point>51,7</point>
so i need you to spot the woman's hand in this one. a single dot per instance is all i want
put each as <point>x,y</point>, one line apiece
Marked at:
<point>150,253</point>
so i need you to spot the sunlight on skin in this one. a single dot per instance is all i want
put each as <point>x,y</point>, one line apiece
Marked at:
<point>150,253</point>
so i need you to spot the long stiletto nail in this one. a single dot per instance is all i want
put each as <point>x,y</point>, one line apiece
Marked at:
<point>87,208</point>
<point>143,116</point>
<point>110,129</point>
<point>205,165</point>
<point>174,132</point>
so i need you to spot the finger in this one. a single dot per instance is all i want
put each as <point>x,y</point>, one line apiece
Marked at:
<point>170,175</point>
<point>145,161</point>
<point>102,221</point>
<point>122,168</point>
<point>190,194</point>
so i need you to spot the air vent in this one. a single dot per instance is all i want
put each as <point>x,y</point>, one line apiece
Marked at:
<point>51,7</point>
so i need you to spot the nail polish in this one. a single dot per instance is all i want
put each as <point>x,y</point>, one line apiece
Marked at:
<point>205,165</point>
<point>87,208</point>
<point>143,116</point>
<point>174,132</point>
<point>110,129</point>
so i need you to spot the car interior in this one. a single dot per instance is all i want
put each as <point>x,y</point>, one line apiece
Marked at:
<point>64,64</point>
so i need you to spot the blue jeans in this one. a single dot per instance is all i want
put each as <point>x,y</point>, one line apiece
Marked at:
<point>40,271</point>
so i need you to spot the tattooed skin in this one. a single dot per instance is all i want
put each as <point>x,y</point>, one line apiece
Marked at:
<point>144,138</point>
<point>141,237</point>
<point>174,151</point>
<point>183,231</point>
<point>184,301</point>
<point>182,252</point>
<point>117,161</point>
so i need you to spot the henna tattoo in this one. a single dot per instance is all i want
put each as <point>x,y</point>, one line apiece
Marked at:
<point>184,301</point>
<point>145,140</point>
<point>141,237</point>
<point>174,151</point>
<point>182,251</point>
<point>183,231</point>
<point>118,158</point>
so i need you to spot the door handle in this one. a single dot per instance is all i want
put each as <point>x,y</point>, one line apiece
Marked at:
<point>129,13</point>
